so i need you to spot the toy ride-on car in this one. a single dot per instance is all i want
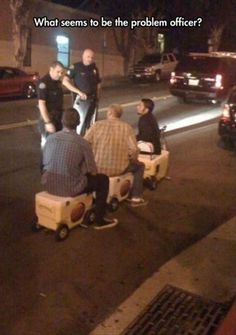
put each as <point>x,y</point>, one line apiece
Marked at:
<point>119,188</point>
<point>61,214</point>
<point>156,166</point>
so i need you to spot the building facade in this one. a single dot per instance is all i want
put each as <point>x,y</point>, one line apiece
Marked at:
<point>62,35</point>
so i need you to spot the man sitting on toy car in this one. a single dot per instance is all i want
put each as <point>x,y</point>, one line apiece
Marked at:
<point>148,129</point>
<point>69,168</point>
<point>115,150</point>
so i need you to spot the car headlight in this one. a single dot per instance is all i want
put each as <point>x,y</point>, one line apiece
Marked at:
<point>149,69</point>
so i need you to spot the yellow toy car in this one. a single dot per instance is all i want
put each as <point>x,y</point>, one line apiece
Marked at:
<point>119,188</point>
<point>61,214</point>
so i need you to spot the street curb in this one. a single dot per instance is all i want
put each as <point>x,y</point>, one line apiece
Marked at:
<point>193,270</point>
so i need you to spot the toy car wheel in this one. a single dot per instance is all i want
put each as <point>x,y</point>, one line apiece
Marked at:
<point>35,226</point>
<point>151,183</point>
<point>62,232</point>
<point>89,217</point>
<point>157,76</point>
<point>113,205</point>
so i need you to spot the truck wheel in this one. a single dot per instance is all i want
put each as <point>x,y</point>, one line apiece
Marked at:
<point>158,76</point>
<point>62,232</point>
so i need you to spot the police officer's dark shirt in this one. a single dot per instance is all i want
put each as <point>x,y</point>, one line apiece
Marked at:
<point>148,131</point>
<point>51,92</point>
<point>86,78</point>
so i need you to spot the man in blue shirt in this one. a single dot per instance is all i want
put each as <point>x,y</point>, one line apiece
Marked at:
<point>69,168</point>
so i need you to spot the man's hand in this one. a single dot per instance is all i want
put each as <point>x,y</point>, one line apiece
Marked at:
<point>82,95</point>
<point>71,87</point>
<point>50,128</point>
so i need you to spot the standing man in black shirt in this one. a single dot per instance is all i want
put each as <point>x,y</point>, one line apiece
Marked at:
<point>85,76</point>
<point>148,129</point>
<point>50,100</point>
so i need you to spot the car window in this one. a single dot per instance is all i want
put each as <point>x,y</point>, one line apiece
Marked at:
<point>8,73</point>
<point>1,74</point>
<point>171,57</point>
<point>199,64</point>
<point>151,59</point>
<point>165,58</point>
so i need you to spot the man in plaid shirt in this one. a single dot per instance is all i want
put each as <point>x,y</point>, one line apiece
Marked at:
<point>115,150</point>
<point>70,169</point>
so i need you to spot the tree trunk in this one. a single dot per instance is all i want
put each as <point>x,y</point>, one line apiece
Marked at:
<point>20,31</point>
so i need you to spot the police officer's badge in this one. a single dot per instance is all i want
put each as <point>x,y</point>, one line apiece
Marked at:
<point>71,68</point>
<point>42,86</point>
<point>94,71</point>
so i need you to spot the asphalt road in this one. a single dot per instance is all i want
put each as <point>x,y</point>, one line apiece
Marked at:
<point>50,288</point>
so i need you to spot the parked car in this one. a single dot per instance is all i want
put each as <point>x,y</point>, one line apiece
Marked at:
<point>204,76</point>
<point>154,67</point>
<point>15,82</point>
<point>227,123</point>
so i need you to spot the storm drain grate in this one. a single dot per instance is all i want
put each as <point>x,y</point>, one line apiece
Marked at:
<point>177,312</point>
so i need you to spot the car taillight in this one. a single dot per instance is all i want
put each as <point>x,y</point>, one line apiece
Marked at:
<point>218,81</point>
<point>36,76</point>
<point>226,112</point>
<point>172,78</point>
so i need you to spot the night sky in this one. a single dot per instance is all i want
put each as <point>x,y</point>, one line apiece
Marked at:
<point>213,13</point>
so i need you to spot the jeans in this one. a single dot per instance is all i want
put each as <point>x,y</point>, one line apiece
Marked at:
<point>86,110</point>
<point>137,168</point>
<point>99,184</point>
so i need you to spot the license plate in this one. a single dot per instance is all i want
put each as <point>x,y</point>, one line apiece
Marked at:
<point>193,82</point>
<point>138,75</point>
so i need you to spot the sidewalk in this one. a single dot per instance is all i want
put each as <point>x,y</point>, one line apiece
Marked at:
<point>207,268</point>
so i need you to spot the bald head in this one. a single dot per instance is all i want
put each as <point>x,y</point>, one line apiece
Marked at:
<point>114,111</point>
<point>87,57</point>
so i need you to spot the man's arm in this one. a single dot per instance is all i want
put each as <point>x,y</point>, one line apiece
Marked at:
<point>99,86</point>
<point>49,126</point>
<point>67,83</point>
<point>89,159</point>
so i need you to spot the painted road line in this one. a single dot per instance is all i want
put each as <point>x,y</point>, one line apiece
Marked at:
<point>137,101</point>
<point>33,122</point>
<point>18,124</point>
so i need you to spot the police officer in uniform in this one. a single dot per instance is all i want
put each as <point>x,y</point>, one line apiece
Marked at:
<point>85,76</point>
<point>50,100</point>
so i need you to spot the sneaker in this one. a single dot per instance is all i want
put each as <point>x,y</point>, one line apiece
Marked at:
<point>136,202</point>
<point>106,223</point>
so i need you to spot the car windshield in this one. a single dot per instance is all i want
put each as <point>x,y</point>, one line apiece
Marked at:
<point>151,59</point>
<point>198,64</point>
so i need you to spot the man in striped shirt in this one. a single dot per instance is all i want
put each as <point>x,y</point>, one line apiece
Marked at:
<point>115,150</point>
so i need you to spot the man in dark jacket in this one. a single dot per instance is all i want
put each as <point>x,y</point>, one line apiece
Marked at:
<point>148,129</point>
